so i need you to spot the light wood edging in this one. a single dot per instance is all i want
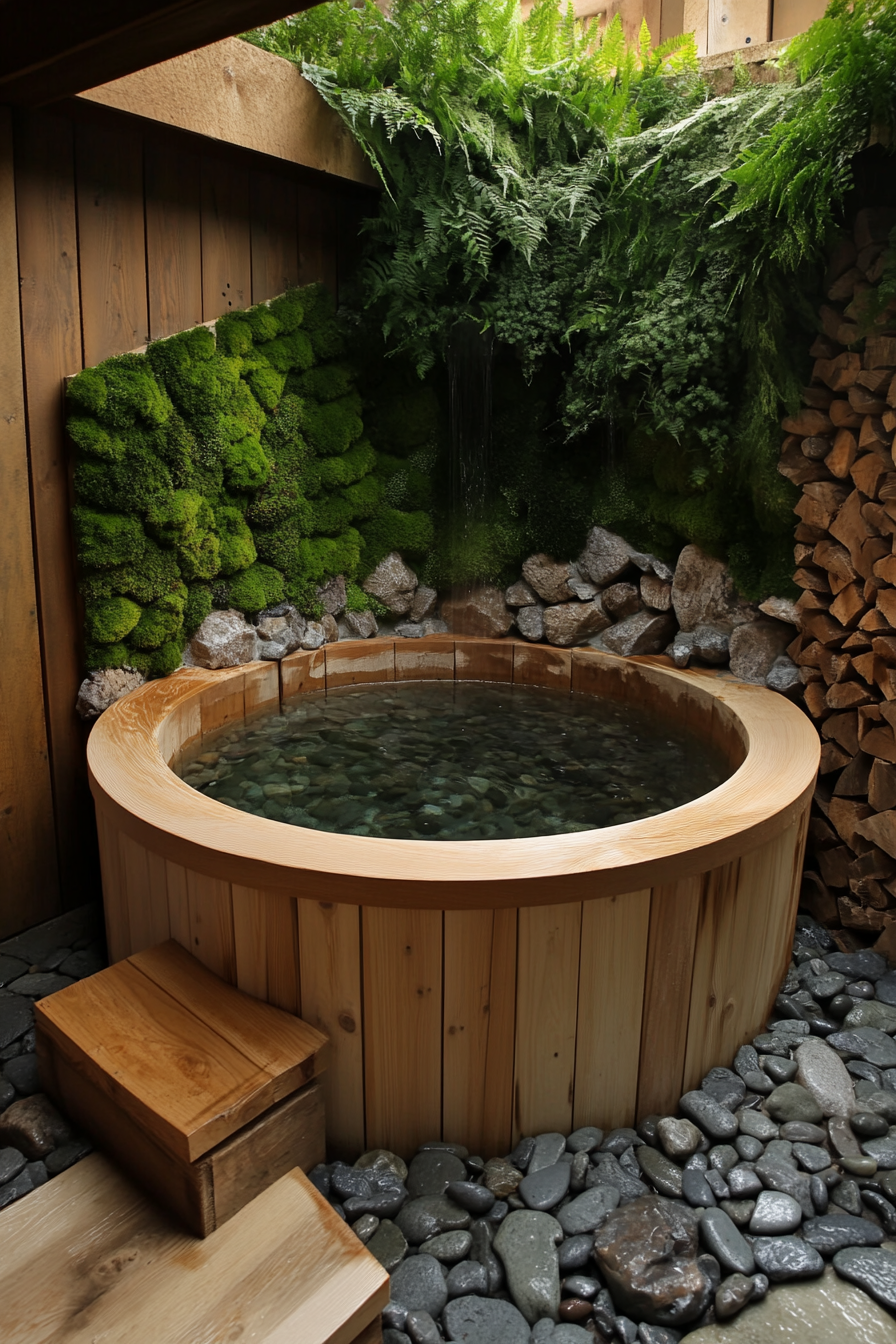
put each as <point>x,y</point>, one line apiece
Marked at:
<point>137,792</point>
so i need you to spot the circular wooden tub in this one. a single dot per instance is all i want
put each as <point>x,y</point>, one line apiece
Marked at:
<point>476,990</point>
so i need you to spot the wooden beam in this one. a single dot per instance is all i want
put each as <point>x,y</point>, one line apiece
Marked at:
<point>30,880</point>
<point>241,95</point>
<point>53,49</point>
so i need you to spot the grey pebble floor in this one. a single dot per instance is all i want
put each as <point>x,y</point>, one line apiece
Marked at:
<point>773,1168</point>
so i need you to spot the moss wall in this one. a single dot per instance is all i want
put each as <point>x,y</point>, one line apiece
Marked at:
<point>230,468</point>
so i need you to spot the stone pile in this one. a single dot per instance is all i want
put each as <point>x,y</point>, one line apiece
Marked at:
<point>775,1168</point>
<point>36,1142</point>
<point>839,451</point>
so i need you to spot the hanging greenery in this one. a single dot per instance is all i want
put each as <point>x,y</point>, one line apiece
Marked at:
<point>598,207</point>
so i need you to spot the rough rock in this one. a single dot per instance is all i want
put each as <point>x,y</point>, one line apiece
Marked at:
<point>34,1126</point>
<point>331,595</point>
<point>754,648</point>
<point>419,1284</point>
<point>501,1177</point>
<point>621,600</point>
<point>393,583</point>
<point>782,1258</point>
<point>655,593</point>
<point>423,603</point>
<point>572,622</point>
<point>681,648</point>
<point>647,1252</point>
<point>527,1243</point>
<point>480,612</point>
<point>606,556</point>
<point>823,1311</point>
<point>651,564</point>
<point>644,632</point>
<point>783,676</point>
<point>680,1138</point>
<point>520,595</point>
<point>101,689</point>
<point>588,1211</point>
<point>224,639</point>
<point>710,644</point>
<point>781,609</point>
<point>280,635</point>
<point>549,579</point>
<point>314,636</point>
<point>330,628</point>
<point>362,624</point>
<point>872,1268</point>
<point>530,622</point>
<point>388,1245</point>
<point>822,1072</point>
<point>703,592</point>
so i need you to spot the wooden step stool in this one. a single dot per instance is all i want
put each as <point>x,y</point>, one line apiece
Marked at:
<point>88,1258</point>
<point>203,1094</point>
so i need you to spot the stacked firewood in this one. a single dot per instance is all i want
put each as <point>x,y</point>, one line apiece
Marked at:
<point>839,450</point>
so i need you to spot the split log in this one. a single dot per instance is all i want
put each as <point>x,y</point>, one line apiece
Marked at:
<point>882,786</point>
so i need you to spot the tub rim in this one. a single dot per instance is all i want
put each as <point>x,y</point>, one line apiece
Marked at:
<point>133,784</point>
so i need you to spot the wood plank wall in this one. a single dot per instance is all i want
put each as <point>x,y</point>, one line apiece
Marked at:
<point>127,231</point>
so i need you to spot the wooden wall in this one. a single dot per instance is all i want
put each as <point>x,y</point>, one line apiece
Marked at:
<point>127,231</point>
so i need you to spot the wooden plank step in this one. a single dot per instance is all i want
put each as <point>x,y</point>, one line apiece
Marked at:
<point>89,1258</point>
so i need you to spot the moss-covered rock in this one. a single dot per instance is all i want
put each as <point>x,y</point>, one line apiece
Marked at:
<point>255,588</point>
<point>110,620</point>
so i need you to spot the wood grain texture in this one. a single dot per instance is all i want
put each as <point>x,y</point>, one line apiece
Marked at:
<point>275,238</point>
<point>312,239</point>
<point>546,1011</point>
<point>611,998</point>
<point>173,240</point>
<point>27,840</point>
<point>226,239</point>
<point>402,952</point>
<point>303,672</point>
<point>265,928</point>
<point>674,910</point>
<point>211,923</point>
<point>330,973</point>
<point>261,688</point>
<point>286,1268</point>
<point>51,347</point>
<point>541,665</point>
<point>478,1028</point>
<point>115,896</point>
<point>424,660</point>
<point>790,17</point>
<point>483,660</point>
<point>737,23</point>
<point>146,886</point>
<point>235,92</point>
<point>352,663</point>
<point>111,241</point>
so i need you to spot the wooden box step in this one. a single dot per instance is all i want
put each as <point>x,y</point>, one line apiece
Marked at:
<point>204,1094</point>
<point>88,1258</point>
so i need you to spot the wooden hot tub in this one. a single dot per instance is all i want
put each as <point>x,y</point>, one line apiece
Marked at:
<point>476,990</point>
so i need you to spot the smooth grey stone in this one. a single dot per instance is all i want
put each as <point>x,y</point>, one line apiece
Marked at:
<point>629,1162</point>
<point>774,1043</point>
<point>542,1331</point>
<point>717,1184</point>
<point>482,1252</point>
<point>382,1203</point>
<point>842,1138</point>
<point>618,1140</point>
<point>522,1153</point>
<point>626,1330</point>
<point>781,1151</point>
<point>723,1157</point>
<point>475,1165</point>
<point>760,1287</point>
<point>859,1166</point>
<point>579,1168</point>
<point>647,1129</point>
<point>883,1151</point>
<point>419,1284</point>
<point>756,1125</point>
<point>782,1258</point>
<point>836,1230</point>
<point>746,1061</point>
<point>663,1175</point>
<point>365,1226</point>
<point>882,1103</point>
<point>786,1180</point>
<point>748,1147</point>
<point>80,964</point>
<point>778,1069</point>
<point>588,1211</point>
<point>477,1199</point>
<point>424,1217</point>
<point>790,1101</point>
<point>547,1152</point>
<point>604,1312</point>
<point>498,1212</point>
<point>421,1328</point>
<point>885,1210</point>
<point>881,1051</point>
<point>482,1320</point>
<point>743,1183</point>
<point>319,1177</point>
<point>870,1013</point>
<point>395,1337</point>
<point>585,1139</point>
<point>885,989</point>
<point>388,1245</point>
<point>863,965</point>
<point>722,1239</point>
<point>711,1268</point>
<point>449,1247</point>
<point>527,1244</point>
<point>652,1334</point>
<point>579,1285</point>
<point>544,1188</point>
<point>818,1193</point>
<point>16,1017</point>
<point>11,968</point>
<point>568,1333</point>
<point>825,986</point>
<point>872,1269</point>
<point>847,1196</point>
<point>725,1087</point>
<point>798,1131</point>
<point>574,1252</point>
<point>431,1171</point>
<point>696,1190</point>
<point>607,1171</point>
<point>469,1277</point>
<point>348,1182</point>
<point>868,1125</point>
<point>759,1082</point>
<point>732,1296</point>
<point>775,1214</point>
<point>11,1163</point>
<point>712,1117</point>
<point>740,1211</point>
<point>66,1155</point>
<point>20,1185</point>
<point>810,1157</point>
<point>680,1139</point>
<point>848,1044</point>
<point>394,1315</point>
<point>40,984</point>
<point>697,1162</point>
<point>440,1146</point>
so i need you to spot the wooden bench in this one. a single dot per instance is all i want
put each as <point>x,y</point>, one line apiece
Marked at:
<point>89,1258</point>
<point>205,1095</point>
